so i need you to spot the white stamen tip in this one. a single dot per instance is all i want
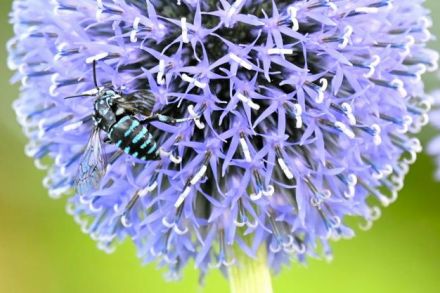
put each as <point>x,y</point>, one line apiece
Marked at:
<point>160,75</point>
<point>345,129</point>
<point>189,79</point>
<point>182,197</point>
<point>278,51</point>
<point>199,175</point>
<point>72,126</point>
<point>245,147</point>
<point>97,57</point>
<point>184,26</point>
<point>242,62</point>
<point>293,11</point>
<point>248,101</point>
<point>285,168</point>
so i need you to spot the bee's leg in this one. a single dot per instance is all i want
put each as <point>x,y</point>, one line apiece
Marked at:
<point>107,140</point>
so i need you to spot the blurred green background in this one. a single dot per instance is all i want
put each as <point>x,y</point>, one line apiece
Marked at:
<point>42,249</point>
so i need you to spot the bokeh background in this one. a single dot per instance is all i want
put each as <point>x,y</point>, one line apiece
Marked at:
<point>42,249</point>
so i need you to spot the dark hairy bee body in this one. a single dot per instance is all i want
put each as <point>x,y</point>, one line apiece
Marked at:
<point>117,115</point>
<point>122,128</point>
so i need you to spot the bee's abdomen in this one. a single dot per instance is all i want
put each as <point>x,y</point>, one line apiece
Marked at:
<point>134,139</point>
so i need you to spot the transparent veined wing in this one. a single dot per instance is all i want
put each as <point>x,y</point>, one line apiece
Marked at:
<point>92,165</point>
<point>140,102</point>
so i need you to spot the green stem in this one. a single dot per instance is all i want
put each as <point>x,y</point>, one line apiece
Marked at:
<point>250,275</point>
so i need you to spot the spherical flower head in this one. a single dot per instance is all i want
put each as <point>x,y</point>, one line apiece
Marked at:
<point>296,115</point>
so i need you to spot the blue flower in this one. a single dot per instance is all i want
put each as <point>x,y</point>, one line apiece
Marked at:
<point>307,110</point>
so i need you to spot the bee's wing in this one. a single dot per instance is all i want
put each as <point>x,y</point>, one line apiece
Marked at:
<point>92,165</point>
<point>140,102</point>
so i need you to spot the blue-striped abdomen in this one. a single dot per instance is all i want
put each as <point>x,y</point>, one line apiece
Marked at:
<point>134,139</point>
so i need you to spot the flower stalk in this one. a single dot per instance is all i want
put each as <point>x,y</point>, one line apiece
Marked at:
<point>250,275</point>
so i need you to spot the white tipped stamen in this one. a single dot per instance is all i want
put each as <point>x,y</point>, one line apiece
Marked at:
<point>345,129</point>
<point>257,196</point>
<point>241,61</point>
<point>148,189</point>
<point>182,196</point>
<point>72,126</point>
<point>184,26</point>
<point>189,79</point>
<point>245,147</point>
<point>270,191</point>
<point>161,74</point>
<point>248,101</point>
<point>400,87</point>
<point>348,110</point>
<point>322,89</point>
<point>196,117</point>
<point>348,31</point>
<point>285,168</point>
<point>133,35</point>
<point>372,66</point>
<point>97,57</point>
<point>297,109</point>
<point>293,11</point>
<point>176,160</point>
<point>278,51</point>
<point>199,175</point>
<point>125,222</point>
<point>367,10</point>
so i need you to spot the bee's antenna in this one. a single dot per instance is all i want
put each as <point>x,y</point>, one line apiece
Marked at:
<point>79,96</point>
<point>95,80</point>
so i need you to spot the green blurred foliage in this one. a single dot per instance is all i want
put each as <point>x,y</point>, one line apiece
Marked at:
<point>42,249</point>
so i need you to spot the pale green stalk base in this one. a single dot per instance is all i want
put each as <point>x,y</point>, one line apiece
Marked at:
<point>250,275</point>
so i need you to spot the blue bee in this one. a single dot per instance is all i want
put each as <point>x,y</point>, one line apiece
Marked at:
<point>114,114</point>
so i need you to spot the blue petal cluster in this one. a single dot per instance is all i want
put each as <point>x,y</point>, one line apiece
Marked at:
<point>307,109</point>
